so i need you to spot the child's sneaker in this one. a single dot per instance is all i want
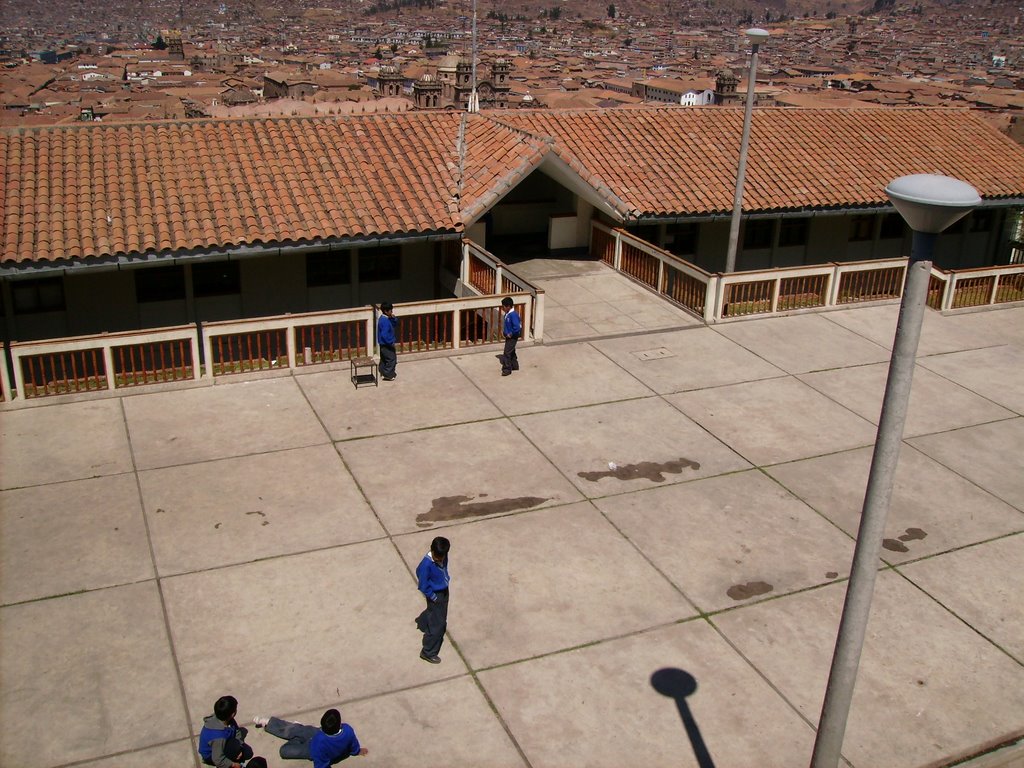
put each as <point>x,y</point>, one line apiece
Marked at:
<point>260,722</point>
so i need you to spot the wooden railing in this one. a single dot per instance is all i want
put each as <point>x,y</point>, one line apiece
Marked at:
<point>978,287</point>
<point>482,271</point>
<point>716,297</point>
<point>674,278</point>
<point>285,342</point>
<point>102,362</point>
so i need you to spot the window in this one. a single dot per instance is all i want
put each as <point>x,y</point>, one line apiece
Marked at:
<point>793,232</point>
<point>757,233</point>
<point>325,268</point>
<point>219,278</point>
<point>893,227</point>
<point>43,295</point>
<point>160,284</point>
<point>684,238</point>
<point>380,264</point>
<point>862,228</point>
<point>982,220</point>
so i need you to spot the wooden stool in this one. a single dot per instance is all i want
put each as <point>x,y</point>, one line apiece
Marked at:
<point>363,371</point>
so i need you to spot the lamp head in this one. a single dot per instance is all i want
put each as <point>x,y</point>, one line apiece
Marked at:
<point>931,203</point>
<point>756,36</point>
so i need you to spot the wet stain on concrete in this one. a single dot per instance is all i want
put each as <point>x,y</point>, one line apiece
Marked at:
<point>446,508</point>
<point>913,534</point>
<point>897,545</point>
<point>748,590</point>
<point>261,514</point>
<point>831,574</point>
<point>649,470</point>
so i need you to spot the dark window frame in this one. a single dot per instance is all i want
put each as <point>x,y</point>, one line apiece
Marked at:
<point>758,234</point>
<point>38,295</point>
<point>207,284</point>
<point>862,228</point>
<point>893,227</point>
<point>685,238</point>
<point>153,284</point>
<point>378,265</point>
<point>325,269</point>
<point>793,233</point>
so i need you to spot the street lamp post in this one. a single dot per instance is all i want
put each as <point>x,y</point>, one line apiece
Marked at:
<point>756,37</point>
<point>929,204</point>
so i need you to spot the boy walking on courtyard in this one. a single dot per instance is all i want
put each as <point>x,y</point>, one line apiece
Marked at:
<point>432,576</point>
<point>511,327</point>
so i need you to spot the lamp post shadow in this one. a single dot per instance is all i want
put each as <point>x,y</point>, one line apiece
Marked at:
<point>677,685</point>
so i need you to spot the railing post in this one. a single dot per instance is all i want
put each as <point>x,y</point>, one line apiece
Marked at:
<point>617,254</point>
<point>19,375</point>
<point>5,381</point>
<point>497,278</point>
<point>833,291</point>
<point>776,289</point>
<point>208,353</point>
<point>720,298</point>
<point>464,245</point>
<point>108,365</point>
<point>456,327</point>
<point>194,344</point>
<point>289,341</point>
<point>995,289</point>
<point>371,334</point>
<point>710,298</point>
<point>538,316</point>
<point>950,292</point>
<point>661,275</point>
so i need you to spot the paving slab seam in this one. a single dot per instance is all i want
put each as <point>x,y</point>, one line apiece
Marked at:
<point>122,753</point>
<point>959,548</point>
<point>65,481</point>
<point>959,474</point>
<point>621,335</point>
<point>768,681</point>
<point>965,622</point>
<point>804,501</point>
<point>1012,757</point>
<point>968,389</point>
<point>592,643</point>
<point>717,328</point>
<point>427,428</point>
<point>212,459</point>
<point>86,591</point>
<point>159,587</point>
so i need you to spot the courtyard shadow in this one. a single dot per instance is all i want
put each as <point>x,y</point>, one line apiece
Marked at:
<point>678,685</point>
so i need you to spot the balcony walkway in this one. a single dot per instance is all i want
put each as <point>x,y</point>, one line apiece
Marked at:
<point>584,298</point>
<point>650,533</point>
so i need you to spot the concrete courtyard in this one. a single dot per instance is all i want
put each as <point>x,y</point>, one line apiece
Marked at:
<point>652,524</point>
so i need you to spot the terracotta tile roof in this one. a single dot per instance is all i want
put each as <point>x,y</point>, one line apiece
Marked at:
<point>94,190</point>
<point>679,161</point>
<point>99,190</point>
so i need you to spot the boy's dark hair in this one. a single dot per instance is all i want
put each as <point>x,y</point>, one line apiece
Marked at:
<point>507,301</point>
<point>440,546</point>
<point>386,306</point>
<point>257,762</point>
<point>225,708</point>
<point>330,723</point>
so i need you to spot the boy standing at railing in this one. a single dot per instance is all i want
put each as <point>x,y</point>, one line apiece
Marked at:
<point>511,327</point>
<point>386,340</point>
